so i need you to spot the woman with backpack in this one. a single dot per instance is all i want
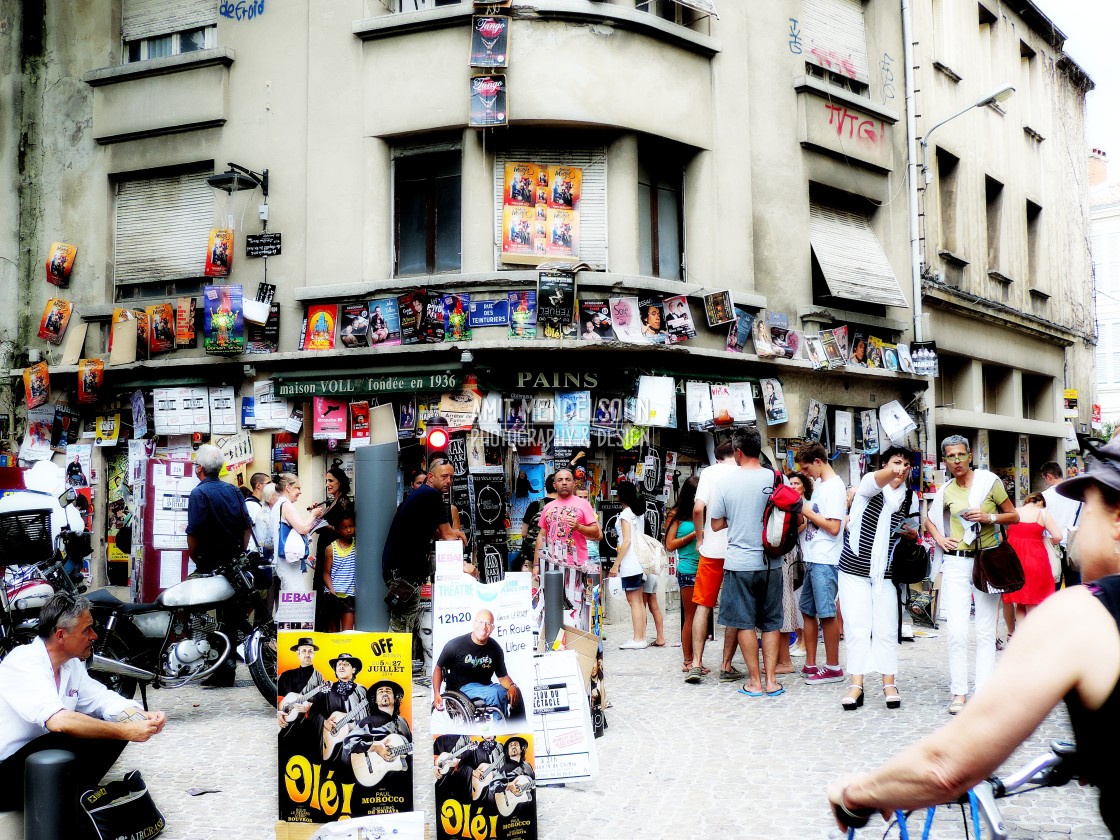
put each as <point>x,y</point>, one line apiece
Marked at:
<point>867,594</point>
<point>640,589</point>
<point>680,536</point>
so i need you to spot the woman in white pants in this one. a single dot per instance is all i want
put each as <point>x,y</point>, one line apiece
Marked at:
<point>294,565</point>
<point>964,518</point>
<point>867,595</point>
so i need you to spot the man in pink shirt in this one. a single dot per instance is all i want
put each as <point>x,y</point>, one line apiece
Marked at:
<point>567,523</point>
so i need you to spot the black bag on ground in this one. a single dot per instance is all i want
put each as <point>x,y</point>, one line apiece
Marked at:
<point>123,809</point>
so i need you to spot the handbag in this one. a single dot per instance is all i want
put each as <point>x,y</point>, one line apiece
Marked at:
<point>1053,553</point>
<point>998,570</point>
<point>909,562</point>
<point>123,809</point>
<point>796,569</point>
<point>399,591</point>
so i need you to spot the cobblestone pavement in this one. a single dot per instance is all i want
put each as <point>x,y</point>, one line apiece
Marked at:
<point>677,760</point>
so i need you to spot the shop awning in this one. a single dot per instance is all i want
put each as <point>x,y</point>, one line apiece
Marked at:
<point>853,261</point>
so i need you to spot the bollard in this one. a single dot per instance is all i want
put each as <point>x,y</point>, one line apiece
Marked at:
<point>553,605</point>
<point>49,798</point>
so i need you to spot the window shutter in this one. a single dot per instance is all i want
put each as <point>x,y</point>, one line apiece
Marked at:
<point>851,257</point>
<point>162,225</point>
<point>835,38</point>
<point>592,202</point>
<point>151,18</point>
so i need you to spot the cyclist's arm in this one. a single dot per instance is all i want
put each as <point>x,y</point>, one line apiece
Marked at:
<point>1048,658</point>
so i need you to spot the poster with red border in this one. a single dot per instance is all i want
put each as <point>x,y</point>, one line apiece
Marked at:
<point>329,418</point>
<point>321,321</point>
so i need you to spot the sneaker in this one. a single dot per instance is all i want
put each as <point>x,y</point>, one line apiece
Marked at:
<point>634,644</point>
<point>695,675</point>
<point>731,675</point>
<point>809,670</point>
<point>825,675</point>
<point>796,651</point>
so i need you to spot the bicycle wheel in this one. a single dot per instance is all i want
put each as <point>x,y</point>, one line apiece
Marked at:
<point>263,668</point>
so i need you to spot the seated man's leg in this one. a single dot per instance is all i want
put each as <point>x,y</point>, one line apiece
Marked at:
<point>93,758</point>
<point>492,694</point>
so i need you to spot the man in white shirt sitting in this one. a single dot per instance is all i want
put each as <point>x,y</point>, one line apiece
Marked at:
<point>48,701</point>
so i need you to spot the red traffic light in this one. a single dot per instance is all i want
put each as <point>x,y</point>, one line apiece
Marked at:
<point>437,440</point>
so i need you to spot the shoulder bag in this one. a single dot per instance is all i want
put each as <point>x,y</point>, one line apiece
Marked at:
<point>998,570</point>
<point>909,561</point>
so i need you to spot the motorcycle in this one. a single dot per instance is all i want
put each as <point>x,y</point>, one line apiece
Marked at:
<point>176,640</point>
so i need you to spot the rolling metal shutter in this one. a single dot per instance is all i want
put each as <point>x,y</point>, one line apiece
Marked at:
<point>835,37</point>
<point>592,203</point>
<point>151,18</point>
<point>853,261</point>
<point>161,229</point>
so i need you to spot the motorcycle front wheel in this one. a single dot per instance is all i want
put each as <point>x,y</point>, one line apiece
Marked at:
<point>124,686</point>
<point>263,668</point>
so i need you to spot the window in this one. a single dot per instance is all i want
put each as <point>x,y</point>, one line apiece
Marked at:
<point>947,189</point>
<point>989,64</point>
<point>428,216</point>
<point>420,5</point>
<point>161,225</point>
<point>835,42</point>
<point>993,199</point>
<point>672,11</point>
<point>159,28</point>
<point>1027,63</point>
<point>1036,276</point>
<point>659,219</point>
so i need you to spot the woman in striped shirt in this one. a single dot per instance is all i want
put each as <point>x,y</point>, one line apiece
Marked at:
<point>339,570</point>
<point>867,595</point>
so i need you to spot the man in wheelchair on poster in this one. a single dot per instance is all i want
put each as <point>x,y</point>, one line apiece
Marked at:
<point>473,666</point>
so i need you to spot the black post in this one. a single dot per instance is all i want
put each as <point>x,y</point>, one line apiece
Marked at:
<point>49,798</point>
<point>553,605</point>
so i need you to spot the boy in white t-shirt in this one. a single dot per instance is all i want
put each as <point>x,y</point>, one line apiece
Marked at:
<point>825,514</point>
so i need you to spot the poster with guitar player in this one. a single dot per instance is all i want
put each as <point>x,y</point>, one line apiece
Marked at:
<point>344,721</point>
<point>483,716</point>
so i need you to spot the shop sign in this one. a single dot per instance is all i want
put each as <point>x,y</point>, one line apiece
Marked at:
<point>389,384</point>
<point>262,245</point>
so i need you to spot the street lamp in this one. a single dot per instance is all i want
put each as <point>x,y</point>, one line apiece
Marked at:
<point>1000,94</point>
<point>239,178</point>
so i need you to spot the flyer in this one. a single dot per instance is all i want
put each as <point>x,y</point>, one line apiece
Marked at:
<point>699,409</point>
<point>595,320</point>
<point>344,714</point>
<point>652,315</point>
<point>411,306</point>
<point>354,330</point>
<point>321,321</point>
<point>56,315</point>
<point>432,320</point>
<point>484,763</point>
<point>60,262</point>
<point>763,343</point>
<point>490,41</point>
<point>740,331</point>
<point>329,416</point>
<point>223,410</point>
<point>522,314</point>
<point>858,355</point>
<point>815,420</point>
<point>185,312</point>
<point>67,427</point>
<point>817,355</point>
<point>79,465</point>
<point>161,328</point>
<point>488,101</point>
<point>678,319</point>
<point>224,325</point>
<point>36,385</point>
<point>91,376</point>
<point>456,315</point>
<point>774,401</point>
<point>718,308</point>
<point>626,320</point>
<point>264,338</point>
<point>219,253</point>
<point>359,424</point>
<point>556,299</point>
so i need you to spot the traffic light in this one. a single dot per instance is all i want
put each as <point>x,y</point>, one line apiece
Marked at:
<point>436,438</point>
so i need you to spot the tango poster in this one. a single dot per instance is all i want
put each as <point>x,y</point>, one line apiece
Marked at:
<point>344,725</point>
<point>483,721</point>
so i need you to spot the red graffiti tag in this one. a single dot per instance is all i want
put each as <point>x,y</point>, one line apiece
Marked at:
<point>857,127</point>
<point>834,61</point>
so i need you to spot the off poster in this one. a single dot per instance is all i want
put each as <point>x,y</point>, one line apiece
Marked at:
<point>483,759</point>
<point>344,718</point>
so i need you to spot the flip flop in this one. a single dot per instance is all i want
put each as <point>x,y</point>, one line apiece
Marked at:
<point>777,693</point>
<point>752,693</point>
<point>655,644</point>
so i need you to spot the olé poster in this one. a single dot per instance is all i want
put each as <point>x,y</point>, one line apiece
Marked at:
<point>344,720</point>
<point>484,763</point>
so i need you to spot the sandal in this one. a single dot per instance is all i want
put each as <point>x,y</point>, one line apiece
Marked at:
<point>893,700</point>
<point>853,701</point>
<point>956,706</point>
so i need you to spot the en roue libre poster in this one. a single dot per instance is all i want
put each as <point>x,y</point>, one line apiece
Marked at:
<point>484,760</point>
<point>344,716</point>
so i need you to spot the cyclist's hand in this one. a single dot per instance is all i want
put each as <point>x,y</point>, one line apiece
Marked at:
<point>845,816</point>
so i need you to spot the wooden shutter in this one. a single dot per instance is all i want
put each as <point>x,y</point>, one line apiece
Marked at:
<point>162,228</point>
<point>835,37</point>
<point>851,257</point>
<point>592,203</point>
<point>151,18</point>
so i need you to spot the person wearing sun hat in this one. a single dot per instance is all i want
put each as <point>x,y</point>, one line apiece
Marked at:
<point>383,720</point>
<point>345,694</point>
<point>1066,649</point>
<point>299,680</point>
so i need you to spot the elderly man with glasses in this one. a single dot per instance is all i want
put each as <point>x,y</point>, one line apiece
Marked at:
<point>405,564</point>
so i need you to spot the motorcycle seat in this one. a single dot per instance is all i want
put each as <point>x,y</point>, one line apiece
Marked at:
<point>105,598</point>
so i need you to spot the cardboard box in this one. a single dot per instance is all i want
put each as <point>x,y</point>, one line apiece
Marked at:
<point>586,646</point>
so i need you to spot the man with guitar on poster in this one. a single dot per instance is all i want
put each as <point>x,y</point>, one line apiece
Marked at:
<point>298,686</point>
<point>465,768</point>
<point>339,708</point>
<point>515,777</point>
<point>382,740</point>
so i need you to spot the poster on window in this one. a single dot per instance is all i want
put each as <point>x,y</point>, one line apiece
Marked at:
<point>540,212</point>
<point>488,101</point>
<point>490,41</point>
<point>60,262</point>
<point>344,713</point>
<point>219,252</point>
<point>224,327</point>
<point>484,765</point>
<point>573,418</point>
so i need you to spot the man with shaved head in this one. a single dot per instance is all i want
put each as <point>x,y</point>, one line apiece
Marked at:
<point>469,663</point>
<point>567,523</point>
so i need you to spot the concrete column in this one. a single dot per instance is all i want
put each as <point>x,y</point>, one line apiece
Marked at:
<point>377,220</point>
<point>622,208</point>
<point>479,244</point>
